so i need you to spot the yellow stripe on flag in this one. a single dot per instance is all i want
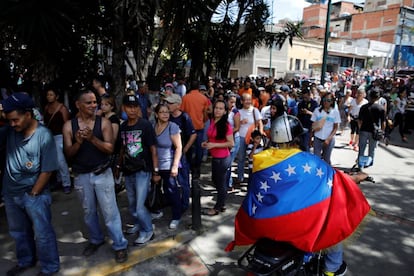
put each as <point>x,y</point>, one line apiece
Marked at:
<point>271,156</point>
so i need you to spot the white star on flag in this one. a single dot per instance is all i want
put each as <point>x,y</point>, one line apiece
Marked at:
<point>290,170</point>
<point>254,207</point>
<point>259,197</point>
<point>330,183</point>
<point>306,168</point>
<point>264,186</point>
<point>275,176</point>
<point>320,172</point>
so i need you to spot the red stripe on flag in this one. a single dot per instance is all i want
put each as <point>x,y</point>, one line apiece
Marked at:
<point>313,228</point>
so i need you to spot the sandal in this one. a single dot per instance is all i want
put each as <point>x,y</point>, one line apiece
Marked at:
<point>210,212</point>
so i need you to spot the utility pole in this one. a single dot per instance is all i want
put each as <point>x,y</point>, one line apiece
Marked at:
<point>325,43</point>
<point>271,46</point>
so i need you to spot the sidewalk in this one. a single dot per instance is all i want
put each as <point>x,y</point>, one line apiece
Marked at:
<point>384,245</point>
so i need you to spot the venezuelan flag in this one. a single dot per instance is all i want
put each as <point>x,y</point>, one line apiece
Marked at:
<point>298,198</point>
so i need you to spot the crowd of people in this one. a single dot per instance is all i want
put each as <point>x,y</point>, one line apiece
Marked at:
<point>163,137</point>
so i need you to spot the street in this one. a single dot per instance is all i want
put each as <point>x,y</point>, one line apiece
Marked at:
<point>384,244</point>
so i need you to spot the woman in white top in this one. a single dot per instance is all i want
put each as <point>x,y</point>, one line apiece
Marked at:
<point>354,108</point>
<point>248,115</point>
<point>326,120</point>
<point>234,121</point>
<point>400,104</point>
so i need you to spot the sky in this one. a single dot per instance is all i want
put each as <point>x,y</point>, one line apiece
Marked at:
<point>292,9</point>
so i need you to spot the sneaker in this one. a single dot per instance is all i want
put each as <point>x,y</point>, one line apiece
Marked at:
<point>157,215</point>
<point>17,270</point>
<point>91,248</point>
<point>132,230</point>
<point>67,189</point>
<point>144,238</point>
<point>340,272</point>
<point>350,143</point>
<point>174,224</point>
<point>121,256</point>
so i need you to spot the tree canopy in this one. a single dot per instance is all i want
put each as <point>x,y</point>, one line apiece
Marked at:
<point>70,40</point>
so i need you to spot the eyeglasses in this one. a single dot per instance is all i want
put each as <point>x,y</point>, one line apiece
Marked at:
<point>90,102</point>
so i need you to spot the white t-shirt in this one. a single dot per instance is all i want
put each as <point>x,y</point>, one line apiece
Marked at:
<point>332,118</point>
<point>248,114</point>
<point>355,107</point>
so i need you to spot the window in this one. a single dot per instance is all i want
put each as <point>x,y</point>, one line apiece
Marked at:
<point>347,25</point>
<point>297,64</point>
<point>291,64</point>
<point>304,64</point>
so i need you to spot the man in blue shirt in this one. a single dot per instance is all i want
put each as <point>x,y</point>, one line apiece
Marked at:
<point>31,159</point>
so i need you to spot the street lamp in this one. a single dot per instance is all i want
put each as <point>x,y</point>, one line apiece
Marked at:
<point>325,43</point>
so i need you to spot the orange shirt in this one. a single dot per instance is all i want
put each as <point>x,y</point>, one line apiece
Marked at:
<point>196,105</point>
<point>243,91</point>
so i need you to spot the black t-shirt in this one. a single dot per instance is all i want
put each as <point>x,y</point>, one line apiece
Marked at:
<point>369,114</point>
<point>138,139</point>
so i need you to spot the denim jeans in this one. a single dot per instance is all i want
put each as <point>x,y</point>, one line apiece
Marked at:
<point>322,150</point>
<point>63,166</point>
<point>184,180</point>
<point>196,162</point>
<point>219,176</point>
<point>333,258</point>
<point>137,186</point>
<point>29,217</point>
<point>233,153</point>
<point>304,141</point>
<point>99,189</point>
<point>172,192</point>
<point>241,159</point>
<point>365,138</point>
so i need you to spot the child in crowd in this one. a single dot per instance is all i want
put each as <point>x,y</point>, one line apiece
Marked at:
<point>254,147</point>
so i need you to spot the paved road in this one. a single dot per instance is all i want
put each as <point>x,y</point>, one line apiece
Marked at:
<point>383,246</point>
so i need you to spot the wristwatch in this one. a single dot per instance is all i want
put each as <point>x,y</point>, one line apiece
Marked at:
<point>156,170</point>
<point>33,193</point>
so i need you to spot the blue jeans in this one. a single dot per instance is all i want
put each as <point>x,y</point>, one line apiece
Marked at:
<point>322,150</point>
<point>334,257</point>
<point>233,153</point>
<point>365,138</point>
<point>196,162</point>
<point>29,217</point>
<point>99,189</point>
<point>304,141</point>
<point>241,159</point>
<point>184,180</point>
<point>63,166</point>
<point>137,186</point>
<point>173,193</point>
<point>219,176</point>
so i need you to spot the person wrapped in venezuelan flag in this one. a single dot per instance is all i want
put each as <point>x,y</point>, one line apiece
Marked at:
<point>298,198</point>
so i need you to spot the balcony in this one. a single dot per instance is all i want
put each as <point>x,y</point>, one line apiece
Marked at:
<point>346,49</point>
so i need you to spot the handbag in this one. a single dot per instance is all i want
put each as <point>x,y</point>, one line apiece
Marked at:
<point>155,200</point>
<point>378,133</point>
<point>132,164</point>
